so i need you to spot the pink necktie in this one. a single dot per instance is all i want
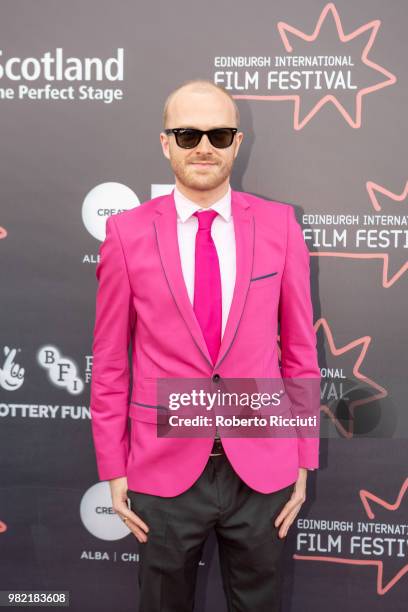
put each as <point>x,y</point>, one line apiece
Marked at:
<point>207,283</point>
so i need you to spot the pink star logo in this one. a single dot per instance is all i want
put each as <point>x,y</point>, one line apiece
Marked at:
<point>353,119</point>
<point>367,384</point>
<point>388,277</point>
<point>369,390</point>
<point>367,499</point>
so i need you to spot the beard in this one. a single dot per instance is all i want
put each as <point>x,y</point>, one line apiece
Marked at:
<point>202,179</point>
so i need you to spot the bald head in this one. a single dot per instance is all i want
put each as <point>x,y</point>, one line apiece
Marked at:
<point>191,89</point>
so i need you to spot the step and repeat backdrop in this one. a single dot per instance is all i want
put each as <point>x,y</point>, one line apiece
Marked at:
<point>322,92</point>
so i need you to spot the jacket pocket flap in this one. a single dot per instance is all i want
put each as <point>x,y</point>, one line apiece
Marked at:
<point>146,413</point>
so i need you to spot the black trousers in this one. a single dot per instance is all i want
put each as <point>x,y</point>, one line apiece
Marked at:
<point>250,551</point>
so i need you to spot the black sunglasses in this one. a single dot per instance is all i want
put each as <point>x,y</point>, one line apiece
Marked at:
<point>188,138</point>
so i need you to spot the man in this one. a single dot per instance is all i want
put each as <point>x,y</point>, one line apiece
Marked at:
<point>196,281</point>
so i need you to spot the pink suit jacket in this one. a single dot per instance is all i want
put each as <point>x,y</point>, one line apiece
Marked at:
<point>142,303</point>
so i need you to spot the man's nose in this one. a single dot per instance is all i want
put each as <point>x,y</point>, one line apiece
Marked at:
<point>204,144</point>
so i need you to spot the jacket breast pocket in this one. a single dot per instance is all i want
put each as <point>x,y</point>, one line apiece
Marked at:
<point>263,279</point>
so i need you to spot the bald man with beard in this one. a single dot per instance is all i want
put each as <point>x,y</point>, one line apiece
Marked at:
<point>196,282</point>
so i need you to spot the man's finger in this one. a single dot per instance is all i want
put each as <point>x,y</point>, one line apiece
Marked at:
<point>292,503</point>
<point>288,522</point>
<point>123,511</point>
<point>137,520</point>
<point>134,519</point>
<point>140,535</point>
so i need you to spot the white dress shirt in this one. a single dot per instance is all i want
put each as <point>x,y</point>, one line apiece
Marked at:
<point>222,232</point>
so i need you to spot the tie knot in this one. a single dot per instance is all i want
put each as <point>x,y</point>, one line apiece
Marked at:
<point>205,218</point>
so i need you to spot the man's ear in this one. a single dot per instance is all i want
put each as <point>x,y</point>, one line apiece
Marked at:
<point>238,139</point>
<point>165,144</point>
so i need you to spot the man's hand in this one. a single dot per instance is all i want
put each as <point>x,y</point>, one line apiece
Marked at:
<point>119,487</point>
<point>292,507</point>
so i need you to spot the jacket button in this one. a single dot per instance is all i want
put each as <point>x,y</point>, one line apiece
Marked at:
<point>216,377</point>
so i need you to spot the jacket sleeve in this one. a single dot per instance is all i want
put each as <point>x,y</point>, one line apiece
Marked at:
<point>299,359</point>
<point>114,318</point>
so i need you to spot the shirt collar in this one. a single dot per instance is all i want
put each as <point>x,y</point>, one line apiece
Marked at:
<point>186,207</point>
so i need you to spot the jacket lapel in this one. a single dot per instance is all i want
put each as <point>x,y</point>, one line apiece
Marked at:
<point>167,241</point>
<point>166,234</point>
